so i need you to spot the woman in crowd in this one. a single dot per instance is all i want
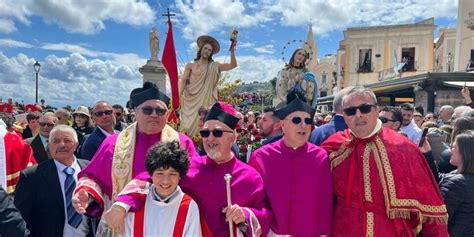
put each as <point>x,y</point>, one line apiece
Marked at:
<point>457,186</point>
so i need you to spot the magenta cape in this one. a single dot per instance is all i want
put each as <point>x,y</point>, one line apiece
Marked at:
<point>298,184</point>
<point>205,183</point>
<point>100,167</point>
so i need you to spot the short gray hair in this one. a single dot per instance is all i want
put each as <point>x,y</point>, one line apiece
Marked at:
<point>49,114</point>
<point>359,91</point>
<point>337,102</point>
<point>63,128</point>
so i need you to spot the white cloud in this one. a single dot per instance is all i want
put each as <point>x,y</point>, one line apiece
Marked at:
<point>337,15</point>
<point>10,43</point>
<point>129,59</point>
<point>203,17</point>
<point>84,17</point>
<point>265,49</point>
<point>66,80</point>
<point>7,26</point>
<point>254,68</point>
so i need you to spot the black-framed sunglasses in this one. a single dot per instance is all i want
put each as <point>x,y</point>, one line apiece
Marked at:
<point>363,108</point>
<point>298,120</point>
<point>386,120</point>
<point>215,132</point>
<point>101,113</point>
<point>158,111</point>
<point>118,114</point>
<point>50,125</point>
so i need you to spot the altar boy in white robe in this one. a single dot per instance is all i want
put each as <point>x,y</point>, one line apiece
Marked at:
<point>168,211</point>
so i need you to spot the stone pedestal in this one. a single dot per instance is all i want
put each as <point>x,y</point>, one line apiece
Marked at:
<point>155,72</point>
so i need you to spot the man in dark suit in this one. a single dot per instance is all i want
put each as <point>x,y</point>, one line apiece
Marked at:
<point>337,123</point>
<point>104,119</point>
<point>39,143</point>
<point>43,194</point>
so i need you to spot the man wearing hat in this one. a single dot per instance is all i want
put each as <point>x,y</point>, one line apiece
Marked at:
<point>296,175</point>
<point>122,155</point>
<point>198,85</point>
<point>205,182</point>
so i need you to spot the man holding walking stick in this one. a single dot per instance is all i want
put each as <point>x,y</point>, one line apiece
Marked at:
<point>205,183</point>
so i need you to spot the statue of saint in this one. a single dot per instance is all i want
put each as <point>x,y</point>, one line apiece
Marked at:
<point>295,76</point>
<point>154,42</point>
<point>198,84</point>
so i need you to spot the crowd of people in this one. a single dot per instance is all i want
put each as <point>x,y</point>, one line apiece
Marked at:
<point>363,170</point>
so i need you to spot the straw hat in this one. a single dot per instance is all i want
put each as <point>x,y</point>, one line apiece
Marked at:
<point>206,39</point>
<point>82,110</point>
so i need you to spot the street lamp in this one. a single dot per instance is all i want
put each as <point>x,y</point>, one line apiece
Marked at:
<point>37,69</point>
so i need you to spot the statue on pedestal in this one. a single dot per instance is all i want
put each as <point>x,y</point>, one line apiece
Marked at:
<point>154,42</point>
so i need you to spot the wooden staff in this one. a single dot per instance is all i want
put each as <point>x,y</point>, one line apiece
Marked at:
<point>227,178</point>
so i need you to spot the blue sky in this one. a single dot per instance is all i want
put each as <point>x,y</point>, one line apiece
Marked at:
<point>91,49</point>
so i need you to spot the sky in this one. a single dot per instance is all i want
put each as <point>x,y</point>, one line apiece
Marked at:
<point>91,50</point>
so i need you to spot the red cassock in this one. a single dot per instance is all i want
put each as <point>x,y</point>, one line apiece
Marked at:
<point>19,155</point>
<point>383,187</point>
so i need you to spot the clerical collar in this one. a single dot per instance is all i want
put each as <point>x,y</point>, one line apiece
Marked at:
<point>167,199</point>
<point>378,126</point>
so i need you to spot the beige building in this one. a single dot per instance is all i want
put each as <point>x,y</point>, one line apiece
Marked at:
<point>325,71</point>
<point>373,54</point>
<point>444,50</point>
<point>464,35</point>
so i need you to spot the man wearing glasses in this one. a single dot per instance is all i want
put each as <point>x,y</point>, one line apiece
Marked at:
<point>122,155</point>
<point>296,176</point>
<point>205,183</point>
<point>39,143</point>
<point>102,115</point>
<point>119,113</point>
<point>382,183</point>
<point>391,117</point>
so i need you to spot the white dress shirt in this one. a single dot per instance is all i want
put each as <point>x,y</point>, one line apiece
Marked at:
<point>83,228</point>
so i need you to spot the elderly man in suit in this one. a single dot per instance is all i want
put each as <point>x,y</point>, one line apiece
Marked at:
<point>43,194</point>
<point>39,143</point>
<point>102,115</point>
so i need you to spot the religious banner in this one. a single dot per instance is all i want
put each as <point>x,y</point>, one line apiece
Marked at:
<point>169,61</point>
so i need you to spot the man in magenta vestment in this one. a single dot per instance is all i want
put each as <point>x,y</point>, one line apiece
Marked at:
<point>382,182</point>
<point>122,155</point>
<point>297,176</point>
<point>205,182</point>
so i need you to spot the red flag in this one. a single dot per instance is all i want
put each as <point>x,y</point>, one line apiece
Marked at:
<point>169,61</point>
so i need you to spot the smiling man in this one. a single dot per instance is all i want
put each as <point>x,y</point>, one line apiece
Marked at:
<point>205,182</point>
<point>296,175</point>
<point>377,175</point>
<point>122,155</point>
<point>43,194</point>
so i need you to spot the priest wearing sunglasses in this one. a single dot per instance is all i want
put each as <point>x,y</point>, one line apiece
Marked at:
<point>296,175</point>
<point>205,182</point>
<point>382,182</point>
<point>121,156</point>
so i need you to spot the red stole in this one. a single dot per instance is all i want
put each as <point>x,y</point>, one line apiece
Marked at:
<point>139,220</point>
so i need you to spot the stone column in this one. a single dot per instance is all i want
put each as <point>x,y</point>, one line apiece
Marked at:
<point>154,71</point>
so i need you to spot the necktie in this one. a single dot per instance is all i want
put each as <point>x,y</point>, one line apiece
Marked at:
<point>73,218</point>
